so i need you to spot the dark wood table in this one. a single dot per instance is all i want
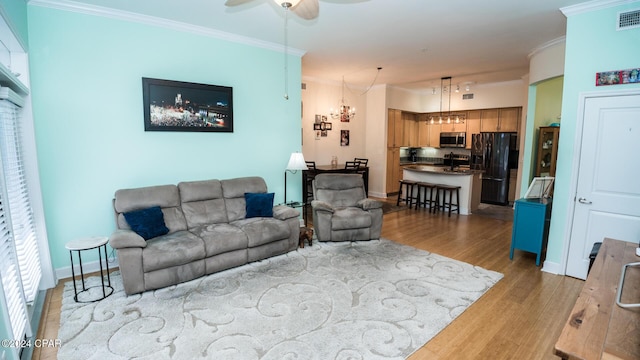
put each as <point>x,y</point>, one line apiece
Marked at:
<point>598,328</point>
<point>320,169</point>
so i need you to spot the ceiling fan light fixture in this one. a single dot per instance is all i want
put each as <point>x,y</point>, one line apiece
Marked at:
<point>287,3</point>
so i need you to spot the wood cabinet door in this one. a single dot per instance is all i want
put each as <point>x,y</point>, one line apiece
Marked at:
<point>453,127</point>
<point>473,125</point>
<point>423,131</point>
<point>434,135</point>
<point>489,120</point>
<point>410,129</point>
<point>395,128</point>
<point>393,163</point>
<point>509,119</point>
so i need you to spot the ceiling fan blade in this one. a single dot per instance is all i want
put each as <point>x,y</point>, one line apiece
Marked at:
<point>307,9</point>
<point>235,2</point>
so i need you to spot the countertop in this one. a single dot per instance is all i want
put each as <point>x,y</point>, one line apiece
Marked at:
<point>441,169</point>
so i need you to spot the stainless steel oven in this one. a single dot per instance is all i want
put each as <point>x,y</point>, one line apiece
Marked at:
<point>453,140</point>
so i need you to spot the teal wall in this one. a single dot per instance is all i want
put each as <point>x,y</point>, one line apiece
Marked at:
<point>15,14</point>
<point>87,101</point>
<point>593,45</point>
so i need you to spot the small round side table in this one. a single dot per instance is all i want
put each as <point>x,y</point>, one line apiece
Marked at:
<point>89,243</point>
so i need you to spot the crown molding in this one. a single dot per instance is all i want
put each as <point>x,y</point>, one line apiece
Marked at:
<point>81,8</point>
<point>592,6</point>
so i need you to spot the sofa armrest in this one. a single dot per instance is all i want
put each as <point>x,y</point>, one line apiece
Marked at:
<point>126,239</point>
<point>369,204</point>
<point>320,205</point>
<point>283,212</point>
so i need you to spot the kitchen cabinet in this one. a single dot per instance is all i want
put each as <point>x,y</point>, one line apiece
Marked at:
<point>500,120</point>
<point>395,128</point>
<point>393,170</point>
<point>473,125</point>
<point>547,150</point>
<point>489,120</point>
<point>423,130</point>
<point>530,226</point>
<point>509,119</point>
<point>453,126</point>
<point>428,134</point>
<point>410,124</point>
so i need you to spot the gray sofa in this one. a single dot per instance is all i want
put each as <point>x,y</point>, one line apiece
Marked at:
<point>342,211</point>
<point>207,231</point>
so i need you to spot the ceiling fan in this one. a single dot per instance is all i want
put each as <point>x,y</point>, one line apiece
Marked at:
<point>306,9</point>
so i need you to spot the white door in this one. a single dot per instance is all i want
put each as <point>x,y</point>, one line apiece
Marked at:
<point>607,200</point>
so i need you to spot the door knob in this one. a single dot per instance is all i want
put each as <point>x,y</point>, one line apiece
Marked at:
<point>584,201</point>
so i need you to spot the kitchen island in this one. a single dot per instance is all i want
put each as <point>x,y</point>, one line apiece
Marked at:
<point>469,181</point>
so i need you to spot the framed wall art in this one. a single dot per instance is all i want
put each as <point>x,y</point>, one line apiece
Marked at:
<point>183,106</point>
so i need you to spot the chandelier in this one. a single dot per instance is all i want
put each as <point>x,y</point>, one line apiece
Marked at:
<point>450,117</point>
<point>344,112</point>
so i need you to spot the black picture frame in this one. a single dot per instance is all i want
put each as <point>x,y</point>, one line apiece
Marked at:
<point>183,106</point>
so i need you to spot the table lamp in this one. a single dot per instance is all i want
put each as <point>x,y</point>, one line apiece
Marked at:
<point>296,162</point>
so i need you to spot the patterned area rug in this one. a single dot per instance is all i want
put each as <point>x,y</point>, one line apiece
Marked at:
<point>362,300</point>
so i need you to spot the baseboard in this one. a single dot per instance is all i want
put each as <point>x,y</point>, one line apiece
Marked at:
<point>377,194</point>
<point>552,267</point>
<point>87,267</point>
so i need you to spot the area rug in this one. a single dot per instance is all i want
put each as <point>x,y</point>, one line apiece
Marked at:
<point>361,300</point>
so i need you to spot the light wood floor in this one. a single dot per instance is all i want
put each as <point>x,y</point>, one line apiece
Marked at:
<point>521,317</point>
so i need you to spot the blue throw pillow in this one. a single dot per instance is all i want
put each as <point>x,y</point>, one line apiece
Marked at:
<point>147,223</point>
<point>259,204</point>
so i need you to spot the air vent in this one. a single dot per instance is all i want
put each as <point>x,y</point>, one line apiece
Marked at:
<point>467,96</point>
<point>628,20</point>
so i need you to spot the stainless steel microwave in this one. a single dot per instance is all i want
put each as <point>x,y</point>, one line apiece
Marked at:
<point>453,140</point>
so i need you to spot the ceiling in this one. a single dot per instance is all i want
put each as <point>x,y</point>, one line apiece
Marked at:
<point>415,42</point>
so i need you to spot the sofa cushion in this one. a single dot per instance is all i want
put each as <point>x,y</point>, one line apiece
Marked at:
<point>233,192</point>
<point>259,204</point>
<point>178,248</point>
<point>350,218</point>
<point>165,196</point>
<point>147,223</point>
<point>263,230</point>
<point>221,238</point>
<point>339,190</point>
<point>202,202</point>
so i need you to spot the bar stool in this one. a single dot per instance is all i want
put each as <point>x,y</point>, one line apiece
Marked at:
<point>447,189</point>
<point>408,198</point>
<point>427,190</point>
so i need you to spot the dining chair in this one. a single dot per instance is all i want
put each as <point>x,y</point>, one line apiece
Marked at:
<point>352,165</point>
<point>363,161</point>
<point>311,174</point>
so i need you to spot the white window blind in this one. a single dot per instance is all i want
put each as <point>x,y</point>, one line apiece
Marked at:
<point>19,259</point>
<point>10,276</point>
<point>23,228</point>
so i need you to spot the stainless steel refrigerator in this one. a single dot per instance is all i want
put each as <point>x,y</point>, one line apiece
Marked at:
<point>497,158</point>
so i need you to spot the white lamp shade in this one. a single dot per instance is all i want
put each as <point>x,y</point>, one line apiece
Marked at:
<point>296,162</point>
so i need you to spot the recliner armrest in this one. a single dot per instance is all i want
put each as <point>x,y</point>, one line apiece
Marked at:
<point>320,205</point>
<point>369,204</point>
<point>283,212</point>
<point>126,239</point>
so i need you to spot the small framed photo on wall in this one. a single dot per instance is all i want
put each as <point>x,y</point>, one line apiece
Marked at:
<point>344,137</point>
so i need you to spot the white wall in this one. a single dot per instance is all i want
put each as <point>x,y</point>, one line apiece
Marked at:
<point>317,99</point>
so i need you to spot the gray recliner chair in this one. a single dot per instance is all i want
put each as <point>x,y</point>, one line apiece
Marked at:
<point>341,210</point>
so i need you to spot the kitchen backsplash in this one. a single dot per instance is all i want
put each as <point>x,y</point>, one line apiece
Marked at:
<point>428,154</point>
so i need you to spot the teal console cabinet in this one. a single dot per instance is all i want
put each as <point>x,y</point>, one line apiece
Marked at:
<point>531,226</point>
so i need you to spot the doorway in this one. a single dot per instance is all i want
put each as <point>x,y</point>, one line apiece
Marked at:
<point>607,186</point>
